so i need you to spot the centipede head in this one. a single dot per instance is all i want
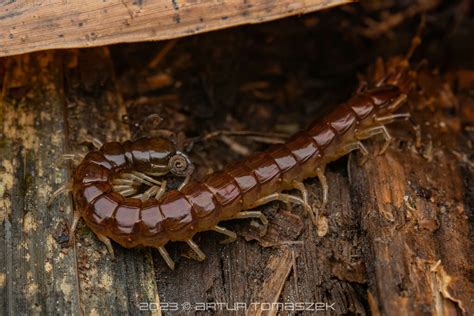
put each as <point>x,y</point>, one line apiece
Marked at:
<point>397,71</point>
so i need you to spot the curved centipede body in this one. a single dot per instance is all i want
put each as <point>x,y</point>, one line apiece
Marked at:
<point>104,198</point>
<point>230,193</point>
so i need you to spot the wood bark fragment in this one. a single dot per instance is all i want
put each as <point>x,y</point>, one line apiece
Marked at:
<point>277,271</point>
<point>28,26</point>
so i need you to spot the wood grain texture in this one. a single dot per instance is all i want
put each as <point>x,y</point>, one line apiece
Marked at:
<point>415,221</point>
<point>27,26</point>
<point>37,275</point>
<point>95,109</point>
<point>395,237</point>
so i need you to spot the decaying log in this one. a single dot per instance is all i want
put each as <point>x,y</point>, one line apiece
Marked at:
<point>395,237</point>
<point>414,219</point>
<point>37,275</point>
<point>27,26</point>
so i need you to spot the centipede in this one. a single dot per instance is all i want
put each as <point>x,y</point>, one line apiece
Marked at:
<point>105,200</point>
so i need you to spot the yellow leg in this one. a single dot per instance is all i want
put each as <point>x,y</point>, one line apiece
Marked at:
<point>63,189</point>
<point>254,214</point>
<point>304,193</point>
<point>398,102</point>
<point>200,255</point>
<point>166,256</point>
<point>377,130</point>
<point>107,244</point>
<point>231,236</point>
<point>320,172</point>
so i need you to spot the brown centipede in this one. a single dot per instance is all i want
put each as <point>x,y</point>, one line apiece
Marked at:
<point>232,193</point>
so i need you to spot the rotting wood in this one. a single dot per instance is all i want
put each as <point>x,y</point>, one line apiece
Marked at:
<point>278,268</point>
<point>28,26</point>
<point>415,222</point>
<point>95,109</point>
<point>336,267</point>
<point>37,275</point>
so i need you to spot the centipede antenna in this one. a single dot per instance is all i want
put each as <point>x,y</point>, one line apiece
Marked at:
<point>67,187</point>
<point>201,256</point>
<point>230,234</point>
<point>166,256</point>
<point>416,40</point>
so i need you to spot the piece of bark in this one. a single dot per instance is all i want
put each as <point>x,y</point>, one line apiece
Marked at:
<point>28,26</point>
<point>277,271</point>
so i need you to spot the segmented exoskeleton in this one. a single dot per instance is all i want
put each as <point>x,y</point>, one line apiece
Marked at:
<point>232,193</point>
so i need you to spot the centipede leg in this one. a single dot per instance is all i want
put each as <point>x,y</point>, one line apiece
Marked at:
<point>185,181</point>
<point>145,195</point>
<point>122,187</point>
<point>67,187</point>
<point>230,234</point>
<point>128,192</point>
<point>200,255</point>
<point>161,191</point>
<point>72,229</point>
<point>144,177</point>
<point>120,184</point>
<point>286,198</point>
<point>392,118</point>
<point>403,117</point>
<point>155,191</point>
<point>254,214</point>
<point>301,187</point>
<point>138,179</point>
<point>378,130</point>
<point>320,172</point>
<point>75,158</point>
<point>107,244</point>
<point>122,181</point>
<point>166,256</point>
<point>397,102</point>
<point>97,143</point>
